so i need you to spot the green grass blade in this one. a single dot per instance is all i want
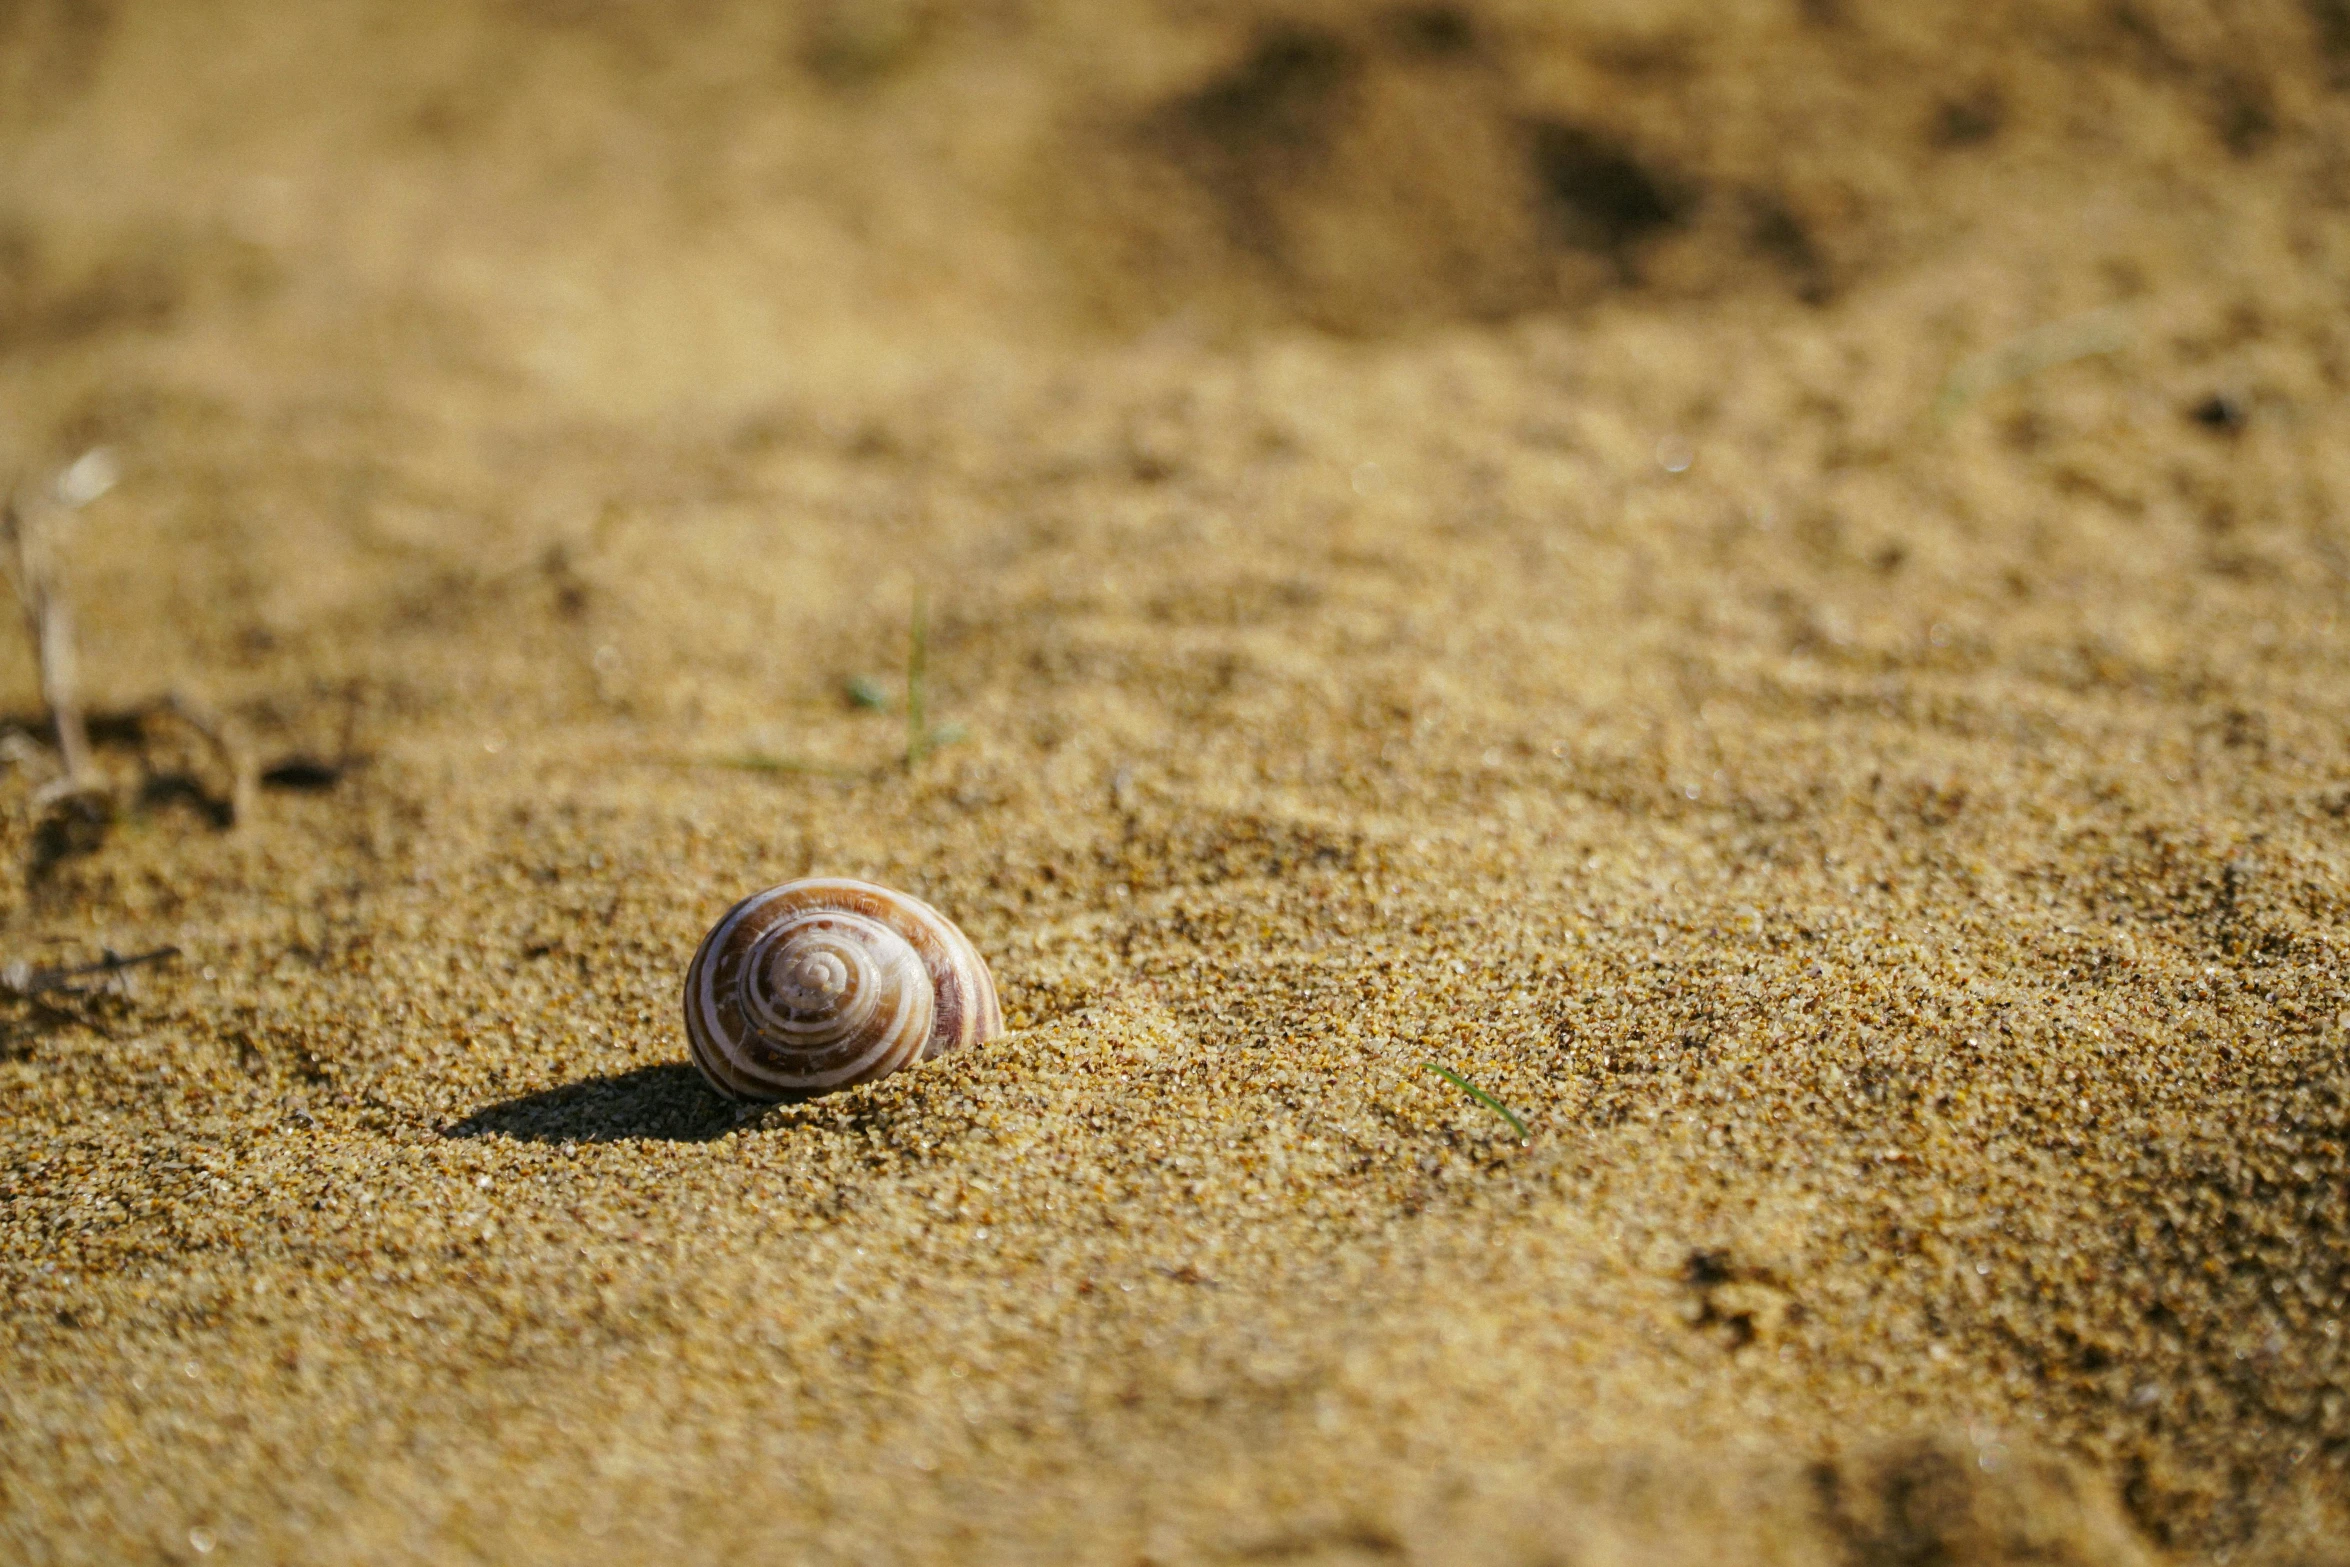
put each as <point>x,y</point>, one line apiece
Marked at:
<point>755,762</point>
<point>2105,331</point>
<point>1525,1138</point>
<point>917,674</point>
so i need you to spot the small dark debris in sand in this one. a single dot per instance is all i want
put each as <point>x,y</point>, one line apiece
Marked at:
<point>2220,413</point>
<point>304,775</point>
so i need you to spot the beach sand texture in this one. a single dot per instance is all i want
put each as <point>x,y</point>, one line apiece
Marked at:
<point>1761,579</point>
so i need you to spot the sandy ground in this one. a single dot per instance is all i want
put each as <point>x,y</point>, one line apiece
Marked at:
<point>1764,580</point>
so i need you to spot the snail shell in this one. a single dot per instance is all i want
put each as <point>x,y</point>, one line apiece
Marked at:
<point>818,984</point>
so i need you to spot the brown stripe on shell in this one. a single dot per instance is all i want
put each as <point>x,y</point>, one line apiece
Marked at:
<point>751,1024</point>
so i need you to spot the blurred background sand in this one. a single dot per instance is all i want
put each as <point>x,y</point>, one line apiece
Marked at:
<point>1762,578</point>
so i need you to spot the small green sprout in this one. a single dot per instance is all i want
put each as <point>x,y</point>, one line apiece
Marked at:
<point>922,736</point>
<point>1525,1138</point>
<point>2043,348</point>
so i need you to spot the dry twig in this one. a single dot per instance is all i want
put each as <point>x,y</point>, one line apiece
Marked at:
<point>227,739</point>
<point>28,536</point>
<point>24,982</point>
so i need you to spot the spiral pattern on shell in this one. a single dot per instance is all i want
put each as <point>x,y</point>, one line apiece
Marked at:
<point>819,984</point>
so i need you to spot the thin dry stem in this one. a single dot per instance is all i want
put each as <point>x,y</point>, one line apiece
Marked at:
<point>227,739</point>
<point>23,981</point>
<point>27,536</point>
